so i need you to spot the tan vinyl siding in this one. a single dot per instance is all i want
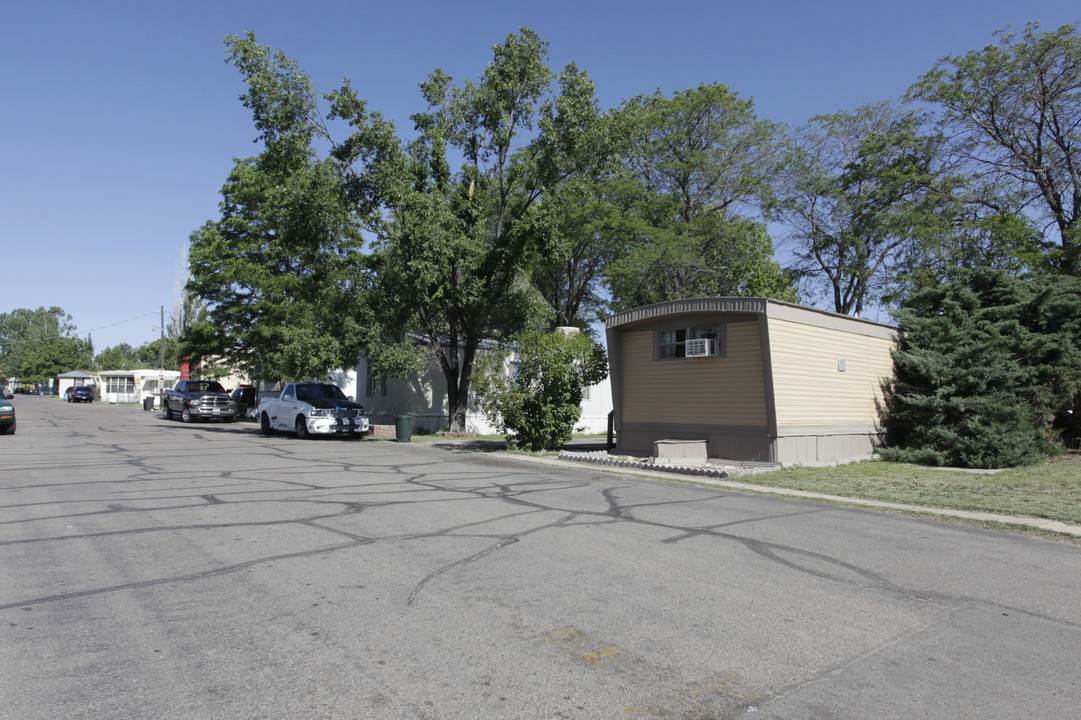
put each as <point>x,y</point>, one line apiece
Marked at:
<point>713,391</point>
<point>808,387</point>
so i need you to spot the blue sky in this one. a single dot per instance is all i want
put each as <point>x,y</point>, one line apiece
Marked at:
<point>120,120</point>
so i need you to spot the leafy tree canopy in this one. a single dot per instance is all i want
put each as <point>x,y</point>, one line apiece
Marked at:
<point>36,345</point>
<point>863,193</point>
<point>117,357</point>
<point>125,357</point>
<point>701,156</point>
<point>453,250</point>
<point>279,269</point>
<point>1015,108</point>
<point>589,226</point>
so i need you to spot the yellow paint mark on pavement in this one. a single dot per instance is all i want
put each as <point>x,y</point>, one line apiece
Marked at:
<point>601,655</point>
<point>585,647</point>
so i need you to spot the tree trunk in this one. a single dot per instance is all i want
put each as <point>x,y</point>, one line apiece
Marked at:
<point>459,377</point>
<point>456,407</point>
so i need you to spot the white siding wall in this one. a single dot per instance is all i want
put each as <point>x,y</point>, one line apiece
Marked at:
<point>424,395</point>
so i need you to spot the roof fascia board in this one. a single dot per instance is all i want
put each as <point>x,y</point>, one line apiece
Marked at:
<point>760,306</point>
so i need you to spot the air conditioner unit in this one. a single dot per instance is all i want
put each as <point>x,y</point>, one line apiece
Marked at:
<point>704,347</point>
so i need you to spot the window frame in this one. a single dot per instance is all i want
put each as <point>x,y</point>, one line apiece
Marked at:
<point>670,341</point>
<point>120,384</point>
<point>374,386</point>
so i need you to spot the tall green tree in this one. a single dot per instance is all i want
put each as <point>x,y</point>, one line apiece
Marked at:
<point>1015,108</point>
<point>117,357</point>
<point>44,361</point>
<point>453,249</point>
<point>589,225</point>
<point>864,193</point>
<point>279,269</point>
<point>734,257</point>
<point>36,345</point>
<point>706,148</point>
<point>983,235</point>
<point>586,231</point>
<point>126,357</point>
<point>985,364</point>
<point>702,165</point>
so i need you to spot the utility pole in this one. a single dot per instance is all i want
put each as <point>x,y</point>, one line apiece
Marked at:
<point>161,345</point>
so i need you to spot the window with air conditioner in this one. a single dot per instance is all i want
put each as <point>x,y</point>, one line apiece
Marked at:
<point>700,341</point>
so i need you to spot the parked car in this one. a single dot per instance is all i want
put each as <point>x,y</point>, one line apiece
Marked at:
<point>246,399</point>
<point>310,407</point>
<point>67,394</point>
<point>193,399</point>
<point>82,394</point>
<point>7,417</point>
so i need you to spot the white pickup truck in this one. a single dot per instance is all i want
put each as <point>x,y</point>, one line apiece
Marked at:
<point>312,408</point>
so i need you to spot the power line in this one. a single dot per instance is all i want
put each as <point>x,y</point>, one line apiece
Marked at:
<point>123,322</point>
<point>5,341</point>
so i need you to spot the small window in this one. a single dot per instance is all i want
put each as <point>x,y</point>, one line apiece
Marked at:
<point>672,344</point>
<point>374,386</point>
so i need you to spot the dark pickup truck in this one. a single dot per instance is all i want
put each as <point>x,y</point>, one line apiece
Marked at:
<point>192,399</point>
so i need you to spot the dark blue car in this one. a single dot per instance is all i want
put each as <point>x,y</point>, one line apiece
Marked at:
<point>7,416</point>
<point>82,394</point>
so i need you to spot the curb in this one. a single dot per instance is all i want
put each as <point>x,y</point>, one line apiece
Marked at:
<point>713,471</point>
<point>719,476</point>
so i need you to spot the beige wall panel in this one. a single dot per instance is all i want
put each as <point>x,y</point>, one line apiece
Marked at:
<point>823,449</point>
<point>714,391</point>
<point>808,387</point>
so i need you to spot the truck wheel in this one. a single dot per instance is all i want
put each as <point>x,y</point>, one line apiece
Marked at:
<point>302,428</point>
<point>185,415</point>
<point>264,424</point>
<point>167,412</point>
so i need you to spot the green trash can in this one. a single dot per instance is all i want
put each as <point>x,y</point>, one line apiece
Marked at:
<point>403,427</point>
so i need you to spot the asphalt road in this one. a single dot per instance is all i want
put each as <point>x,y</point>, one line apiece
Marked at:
<point>153,569</point>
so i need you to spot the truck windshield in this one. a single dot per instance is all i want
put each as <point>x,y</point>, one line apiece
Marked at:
<point>209,386</point>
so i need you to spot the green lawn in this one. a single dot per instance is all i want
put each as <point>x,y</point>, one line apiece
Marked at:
<point>1049,491</point>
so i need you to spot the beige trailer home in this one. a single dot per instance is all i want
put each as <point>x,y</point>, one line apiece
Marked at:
<point>760,380</point>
